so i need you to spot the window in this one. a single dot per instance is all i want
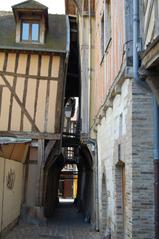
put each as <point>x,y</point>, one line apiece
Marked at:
<point>102,35</point>
<point>107,22</point>
<point>86,5</point>
<point>106,27</point>
<point>30,31</point>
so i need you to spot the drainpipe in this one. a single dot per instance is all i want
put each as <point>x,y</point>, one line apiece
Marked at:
<point>137,46</point>
<point>156,163</point>
<point>155,111</point>
<point>89,61</point>
<point>94,143</point>
<point>135,39</point>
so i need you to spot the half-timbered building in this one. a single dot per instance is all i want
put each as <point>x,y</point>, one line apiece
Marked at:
<point>34,49</point>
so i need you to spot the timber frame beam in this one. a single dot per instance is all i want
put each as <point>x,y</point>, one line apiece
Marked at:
<point>151,56</point>
<point>32,135</point>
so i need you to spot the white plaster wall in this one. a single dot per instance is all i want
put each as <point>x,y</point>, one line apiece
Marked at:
<point>108,136</point>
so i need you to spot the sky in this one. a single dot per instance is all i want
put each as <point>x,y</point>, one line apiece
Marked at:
<point>55,6</point>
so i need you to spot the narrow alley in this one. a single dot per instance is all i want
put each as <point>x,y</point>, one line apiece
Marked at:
<point>67,223</point>
<point>79,119</point>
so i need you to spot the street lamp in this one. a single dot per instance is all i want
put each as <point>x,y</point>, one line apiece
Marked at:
<point>68,110</point>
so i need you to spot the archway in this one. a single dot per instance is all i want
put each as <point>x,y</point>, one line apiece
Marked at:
<point>68,181</point>
<point>85,199</point>
<point>51,185</point>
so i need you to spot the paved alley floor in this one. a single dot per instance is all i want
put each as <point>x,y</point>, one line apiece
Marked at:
<point>67,223</point>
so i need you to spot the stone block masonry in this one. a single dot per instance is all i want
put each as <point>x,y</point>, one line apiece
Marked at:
<point>125,155</point>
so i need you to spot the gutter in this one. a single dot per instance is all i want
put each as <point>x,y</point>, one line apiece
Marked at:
<point>33,49</point>
<point>155,112</point>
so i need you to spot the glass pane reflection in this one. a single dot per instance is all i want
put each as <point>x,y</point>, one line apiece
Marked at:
<point>35,32</point>
<point>25,31</point>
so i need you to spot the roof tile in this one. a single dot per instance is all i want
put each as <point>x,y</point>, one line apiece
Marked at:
<point>56,37</point>
<point>31,4</point>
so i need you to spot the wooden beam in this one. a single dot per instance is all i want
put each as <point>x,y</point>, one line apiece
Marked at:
<point>144,73</point>
<point>25,92</point>
<point>156,17</point>
<point>47,95</point>
<point>5,62</point>
<point>31,135</point>
<point>25,154</point>
<point>60,97</point>
<point>147,18</point>
<point>48,149</point>
<point>14,87</point>
<point>20,103</point>
<point>1,92</point>
<point>37,89</point>
<point>7,73</point>
<point>40,173</point>
<point>36,99</point>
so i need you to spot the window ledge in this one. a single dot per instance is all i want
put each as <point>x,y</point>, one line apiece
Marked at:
<point>30,42</point>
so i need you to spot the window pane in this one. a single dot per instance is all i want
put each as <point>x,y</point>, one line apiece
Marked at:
<point>25,31</point>
<point>35,32</point>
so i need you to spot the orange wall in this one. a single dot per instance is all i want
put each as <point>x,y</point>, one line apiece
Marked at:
<point>113,57</point>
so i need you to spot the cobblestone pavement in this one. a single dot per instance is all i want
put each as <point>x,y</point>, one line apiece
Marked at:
<point>67,223</point>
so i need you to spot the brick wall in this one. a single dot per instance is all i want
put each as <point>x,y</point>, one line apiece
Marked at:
<point>125,155</point>
<point>142,168</point>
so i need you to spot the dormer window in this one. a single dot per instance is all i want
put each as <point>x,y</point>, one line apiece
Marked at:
<point>31,22</point>
<point>30,31</point>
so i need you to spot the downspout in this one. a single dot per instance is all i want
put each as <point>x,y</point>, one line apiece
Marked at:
<point>156,163</point>
<point>89,62</point>
<point>94,143</point>
<point>136,40</point>
<point>155,112</point>
<point>137,46</point>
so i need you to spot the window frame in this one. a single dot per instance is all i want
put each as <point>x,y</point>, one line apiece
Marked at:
<point>108,24</point>
<point>30,40</point>
<point>102,35</point>
<point>106,28</point>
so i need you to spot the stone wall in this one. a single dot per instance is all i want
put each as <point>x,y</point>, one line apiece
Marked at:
<point>142,168</point>
<point>125,154</point>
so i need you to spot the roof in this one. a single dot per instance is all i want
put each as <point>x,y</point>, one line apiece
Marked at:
<point>57,39</point>
<point>5,13</point>
<point>31,4</point>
